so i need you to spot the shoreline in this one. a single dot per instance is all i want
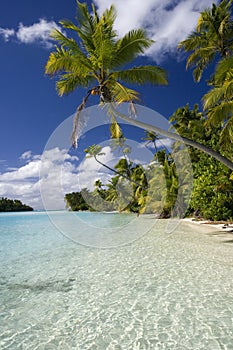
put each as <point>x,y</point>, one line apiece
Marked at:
<point>222,226</point>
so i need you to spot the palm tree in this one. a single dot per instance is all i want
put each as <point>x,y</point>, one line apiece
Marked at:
<point>212,38</point>
<point>112,194</point>
<point>95,61</point>
<point>151,137</point>
<point>124,166</point>
<point>120,143</point>
<point>218,102</point>
<point>189,122</point>
<point>95,150</point>
<point>98,184</point>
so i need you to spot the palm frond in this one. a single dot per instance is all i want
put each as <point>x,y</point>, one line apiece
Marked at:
<point>193,41</point>
<point>135,42</point>
<point>66,56</point>
<point>201,20</point>
<point>226,136</point>
<point>228,89</point>
<point>70,81</point>
<point>115,129</point>
<point>213,97</point>
<point>143,74</point>
<point>67,24</point>
<point>223,68</point>
<point>203,55</point>
<point>85,20</point>
<point>60,60</point>
<point>85,39</point>
<point>123,94</point>
<point>104,44</point>
<point>64,41</point>
<point>220,113</point>
<point>109,17</point>
<point>92,26</point>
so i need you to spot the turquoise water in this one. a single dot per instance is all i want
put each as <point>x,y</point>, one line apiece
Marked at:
<point>159,291</point>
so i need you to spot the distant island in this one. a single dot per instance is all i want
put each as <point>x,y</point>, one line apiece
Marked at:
<point>7,205</point>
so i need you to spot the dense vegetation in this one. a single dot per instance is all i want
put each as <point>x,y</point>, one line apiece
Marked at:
<point>13,205</point>
<point>95,61</point>
<point>212,196</point>
<point>155,189</point>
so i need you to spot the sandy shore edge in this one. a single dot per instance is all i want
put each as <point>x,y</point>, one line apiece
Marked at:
<point>216,226</point>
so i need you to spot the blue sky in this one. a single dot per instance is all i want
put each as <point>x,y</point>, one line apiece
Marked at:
<point>30,107</point>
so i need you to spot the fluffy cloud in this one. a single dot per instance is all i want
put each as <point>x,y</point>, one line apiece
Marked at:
<point>6,33</point>
<point>43,180</point>
<point>42,176</point>
<point>36,33</point>
<point>167,22</point>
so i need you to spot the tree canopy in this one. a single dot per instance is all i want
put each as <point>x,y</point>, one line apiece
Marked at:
<point>13,205</point>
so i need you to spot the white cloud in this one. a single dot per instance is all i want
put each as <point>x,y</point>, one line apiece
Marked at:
<point>6,33</point>
<point>41,176</point>
<point>27,171</point>
<point>167,22</point>
<point>38,33</point>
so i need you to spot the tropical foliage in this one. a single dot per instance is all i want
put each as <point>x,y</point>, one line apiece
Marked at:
<point>213,191</point>
<point>218,102</point>
<point>213,38</point>
<point>212,196</point>
<point>93,57</point>
<point>155,188</point>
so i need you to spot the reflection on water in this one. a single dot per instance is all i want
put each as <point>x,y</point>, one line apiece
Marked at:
<point>162,291</point>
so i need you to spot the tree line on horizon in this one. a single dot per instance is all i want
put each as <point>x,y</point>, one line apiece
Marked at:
<point>8,205</point>
<point>94,60</point>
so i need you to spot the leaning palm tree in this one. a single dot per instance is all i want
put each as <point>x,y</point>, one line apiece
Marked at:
<point>95,60</point>
<point>212,38</point>
<point>95,151</point>
<point>218,102</point>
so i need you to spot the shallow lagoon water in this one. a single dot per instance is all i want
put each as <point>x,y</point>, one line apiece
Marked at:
<point>161,291</point>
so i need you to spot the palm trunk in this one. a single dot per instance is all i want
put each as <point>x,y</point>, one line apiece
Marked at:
<point>176,137</point>
<point>74,136</point>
